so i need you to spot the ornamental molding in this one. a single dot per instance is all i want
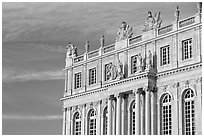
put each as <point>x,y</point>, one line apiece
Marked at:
<point>138,77</point>
<point>162,74</point>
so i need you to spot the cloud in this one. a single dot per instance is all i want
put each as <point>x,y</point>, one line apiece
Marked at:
<point>57,48</point>
<point>9,75</point>
<point>31,117</point>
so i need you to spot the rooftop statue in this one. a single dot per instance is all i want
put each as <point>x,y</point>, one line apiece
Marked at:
<point>124,32</point>
<point>71,51</point>
<point>152,22</point>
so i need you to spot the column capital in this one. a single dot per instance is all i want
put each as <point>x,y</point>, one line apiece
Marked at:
<point>111,97</point>
<point>138,91</point>
<point>64,109</point>
<point>150,89</point>
<point>84,105</point>
<point>117,95</point>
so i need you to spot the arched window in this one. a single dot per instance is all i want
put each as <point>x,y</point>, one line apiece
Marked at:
<point>77,124</point>
<point>166,116</point>
<point>105,121</point>
<point>92,122</point>
<point>132,117</point>
<point>189,112</point>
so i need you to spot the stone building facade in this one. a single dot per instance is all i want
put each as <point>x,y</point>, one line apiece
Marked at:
<point>145,85</point>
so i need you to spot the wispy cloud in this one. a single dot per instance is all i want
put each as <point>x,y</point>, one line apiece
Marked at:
<point>12,76</point>
<point>57,48</point>
<point>31,117</point>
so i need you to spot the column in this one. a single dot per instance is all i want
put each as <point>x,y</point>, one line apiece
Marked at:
<point>98,132</point>
<point>129,126</point>
<point>68,122</point>
<point>124,117</point>
<point>148,113</point>
<point>85,79</point>
<point>83,119</point>
<point>110,115</point>
<point>64,122</point>
<point>66,80</point>
<point>137,112</point>
<point>69,81</point>
<point>114,116</point>
<point>143,115</point>
<point>118,115</point>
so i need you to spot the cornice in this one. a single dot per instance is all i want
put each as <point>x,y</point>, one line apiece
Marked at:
<point>178,70</point>
<point>134,78</point>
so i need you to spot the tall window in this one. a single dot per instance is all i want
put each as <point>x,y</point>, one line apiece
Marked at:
<point>132,116</point>
<point>134,64</point>
<point>189,112</point>
<point>165,56</point>
<point>92,76</point>
<point>187,49</point>
<point>105,121</point>
<point>166,115</point>
<point>92,122</point>
<point>77,124</point>
<point>77,78</point>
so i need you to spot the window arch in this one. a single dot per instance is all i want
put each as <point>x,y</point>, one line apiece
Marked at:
<point>166,114</point>
<point>189,112</point>
<point>105,121</point>
<point>92,122</point>
<point>132,118</point>
<point>77,124</point>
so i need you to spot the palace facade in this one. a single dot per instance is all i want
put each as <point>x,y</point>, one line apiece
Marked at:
<point>148,84</point>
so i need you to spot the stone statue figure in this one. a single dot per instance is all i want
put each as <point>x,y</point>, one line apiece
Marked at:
<point>115,70</point>
<point>124,32</point>
<point>110,70</point>
<point>149,61</point>
<point>71,51</point>
<point>119,69</point>
<point>139,62</point>
<point>152,22</point>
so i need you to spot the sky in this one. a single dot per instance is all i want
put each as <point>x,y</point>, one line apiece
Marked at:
<point>34,38</point>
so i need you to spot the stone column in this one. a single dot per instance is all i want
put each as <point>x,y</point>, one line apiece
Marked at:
<point>124,116</point>
<point>66,80</point>
<point>143,115</point>
<point>137,112</point>
<point>69,81</point>
<point>68,122</point>
<point>64,122</point>
<point>83,119</point>
<point>118,115</point>
<point>153,111</point>
<point>72,126</point>
<point>98,132</point>
<point>129,125</point>
<point>110,115</point>
<point>148,112</point>
<point>85,77</point>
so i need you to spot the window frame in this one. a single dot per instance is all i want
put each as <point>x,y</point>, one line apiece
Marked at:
<point>189,107</point>
<point>165,58</point>
<point>92,76</point>
<point>78,80</point>
<point>187,49</point>
<point>77,123</point>
<point>92,122</point>
<point>166,114</point>
<point>133,60</point>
